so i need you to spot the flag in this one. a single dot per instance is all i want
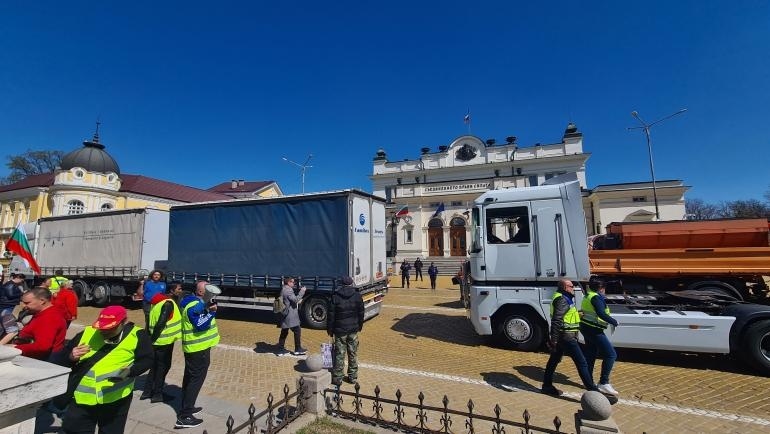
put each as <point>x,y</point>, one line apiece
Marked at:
<point>467,118</point>
<point>403,211</point>
<point>439,210</point>
<point>18,244</point>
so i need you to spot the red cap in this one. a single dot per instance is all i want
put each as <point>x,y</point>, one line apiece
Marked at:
<point>157,298</point>
<point>110,317</point>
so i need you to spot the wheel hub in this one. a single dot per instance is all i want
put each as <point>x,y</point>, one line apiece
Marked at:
<point>518,330</point>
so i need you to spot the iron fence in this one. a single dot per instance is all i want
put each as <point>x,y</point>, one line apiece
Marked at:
<point>473,422</point>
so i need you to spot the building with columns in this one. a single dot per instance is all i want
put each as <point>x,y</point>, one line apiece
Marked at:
<point>435,191</point>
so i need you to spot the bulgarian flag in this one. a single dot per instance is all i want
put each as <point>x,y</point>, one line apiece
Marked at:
<point>403,211</point>
<point>18,244</point>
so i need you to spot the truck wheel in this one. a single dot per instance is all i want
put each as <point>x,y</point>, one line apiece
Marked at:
<point>720,288</point>
<point>756,346</point>
<point>101,293</point>
<point>315,311</point>
<point>81,289</point>
<point>521,331</point>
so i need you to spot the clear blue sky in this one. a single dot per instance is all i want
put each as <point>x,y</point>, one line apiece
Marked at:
<point>203,92</point>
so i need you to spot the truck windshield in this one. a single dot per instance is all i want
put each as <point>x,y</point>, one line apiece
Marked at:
<point>508,225</point>
<point>475,227</point>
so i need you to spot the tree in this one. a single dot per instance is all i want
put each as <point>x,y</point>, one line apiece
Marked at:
<point>31,163</point>
<point>751,208</point>
<point>697,209</point>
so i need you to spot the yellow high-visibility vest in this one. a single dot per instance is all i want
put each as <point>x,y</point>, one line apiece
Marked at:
<point>192,340</point>
<point>590,318</point>
<point>571,318</point>
<point>95,387</point>
<point>173,330</point>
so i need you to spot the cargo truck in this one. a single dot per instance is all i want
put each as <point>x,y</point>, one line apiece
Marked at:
<point>246,248</point>
<point>105,253</point>
<point>509,281</point>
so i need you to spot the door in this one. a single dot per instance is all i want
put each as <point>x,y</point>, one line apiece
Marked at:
<point>509,252</point>
<point>457,241</point>
<point>436,241</point>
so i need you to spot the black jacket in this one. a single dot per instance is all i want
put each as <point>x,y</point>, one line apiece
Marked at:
<point>10,294</point>
<point>560,307</point>
<point>346,314</point>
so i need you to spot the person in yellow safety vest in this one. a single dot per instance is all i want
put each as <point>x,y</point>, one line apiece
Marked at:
<point>57,281</point>
<point>595,318</point>
<point>165,328</point>
<point>108,355</point>
<point>565,323</point>
<point>199,334</point>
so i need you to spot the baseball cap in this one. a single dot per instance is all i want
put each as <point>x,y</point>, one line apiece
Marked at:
<point>110,317</point>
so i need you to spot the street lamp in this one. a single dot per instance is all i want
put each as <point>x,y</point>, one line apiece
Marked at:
<point>646,128</point>
<point>302,168</point>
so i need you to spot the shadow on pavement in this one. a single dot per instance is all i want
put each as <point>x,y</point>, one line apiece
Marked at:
<point>444,328</point>
<point>507,382</point>
<point>535,373</point>
<point>700,361</point>
<point>457,304</point>
<point>266,348</point>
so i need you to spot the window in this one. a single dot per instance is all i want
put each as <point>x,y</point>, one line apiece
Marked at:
<point>457,221</point>
<point>78,173</point>
<point>475,229</point>
<point>434,204</point>
<point>532,180</point>
<point>457,203</point>
<point>408,235</point>
<point>388,197</point>
<point>435,223</point>
<point>508,225</point>
<point>75,207</point>
<point>112,178</point>
<point>106,207</point>
<point>552,174</point>
<point>639,199</point>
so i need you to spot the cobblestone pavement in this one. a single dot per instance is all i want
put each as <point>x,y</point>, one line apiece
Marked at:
<point>422,342</point>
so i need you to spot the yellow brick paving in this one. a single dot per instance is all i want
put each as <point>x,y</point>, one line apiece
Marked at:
<point>422,342</point>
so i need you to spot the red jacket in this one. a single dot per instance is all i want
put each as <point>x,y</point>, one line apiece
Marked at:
<point>44,334</point>
<point>66,300</point>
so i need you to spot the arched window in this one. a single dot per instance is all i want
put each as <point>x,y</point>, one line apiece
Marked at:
<point>106,207</point>
<point>457,221</point>
<point>435,223</point>
<point>75,207</point>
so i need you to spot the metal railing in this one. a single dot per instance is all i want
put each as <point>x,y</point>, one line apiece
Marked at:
<point>473,422</point>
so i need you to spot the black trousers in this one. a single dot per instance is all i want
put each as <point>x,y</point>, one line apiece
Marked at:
<point>405,281</point>
<point>196,366</point>
<point>156,378</point>
<point>110,418</point>
<point>297,337</point>
<point>432,282</point>
<point>572,349</point>
<point>418,273</point>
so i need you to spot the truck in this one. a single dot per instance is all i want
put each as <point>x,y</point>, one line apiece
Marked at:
<point>105,254</point>
<point>247,247</point>
<point>507,286</point>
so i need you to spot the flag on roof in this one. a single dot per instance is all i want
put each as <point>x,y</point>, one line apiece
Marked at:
<point>439,210</point>
<point>403,211</point>
<point>467,118</point>
<point>18,244</point>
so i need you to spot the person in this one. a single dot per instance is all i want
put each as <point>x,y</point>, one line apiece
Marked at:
<point>417,269</point>
<point>522,233</point>
<point>565,323</point>
<point>405,267</point>
<point>10,293</point>
<point>46,330</point>
<point>57,281</point>
<point>289,319</point>
<point>432,274</point>
<point>595,318</point>
<point>165,329</point>
<point>105,358</point>
<point>346,319</point>
<point>199,334</point>
<point>67,301</point>
<point>147,289</point>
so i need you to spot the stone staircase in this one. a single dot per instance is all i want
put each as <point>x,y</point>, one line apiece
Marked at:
<point>447,266</point>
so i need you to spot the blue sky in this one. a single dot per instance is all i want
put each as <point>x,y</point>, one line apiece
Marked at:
<point>203,92</point>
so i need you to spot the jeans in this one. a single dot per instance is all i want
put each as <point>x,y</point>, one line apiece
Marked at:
<point>598,343</point>
<point>342,344</point>
<point>571,347</point>
<point>405,281</point>
<point>196,366</point>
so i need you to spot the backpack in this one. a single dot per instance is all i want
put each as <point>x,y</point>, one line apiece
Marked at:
<point>278,305</point>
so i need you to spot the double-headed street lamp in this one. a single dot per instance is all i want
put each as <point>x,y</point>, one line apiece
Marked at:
<point>302,167</point>
<point>646,128</point>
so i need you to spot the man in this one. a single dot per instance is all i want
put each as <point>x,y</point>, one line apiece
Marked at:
<point>417,269</point>
<point>45,332</point>
<point>165,329</point>
<point>147,290</point>
<point>565,323</point>
<point>290,318</point>
<point>67,301</point>
<point>596,316</point>
<point>346,319</point>
<point>10,293</point>
<point>433,274</point>
<point>405,267</point>
<point>57,281</point>
<point>199,334</point>
<point>106,358</point>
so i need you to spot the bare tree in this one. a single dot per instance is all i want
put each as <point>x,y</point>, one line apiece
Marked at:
<point>751,208</point>
<point>31,163</point>
<point>697,209</point>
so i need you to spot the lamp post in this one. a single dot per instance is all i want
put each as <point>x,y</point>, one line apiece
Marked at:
<point>302,168</point>
<point>646,128</point>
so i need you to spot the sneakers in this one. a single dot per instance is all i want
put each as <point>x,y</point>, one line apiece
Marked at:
<point>187,422</point>
<point>607,389</point>
<point>300,352</point>
<point>196,410</point>
<point>146,395</point>
<point>282,352</point>
<point>550,390</point>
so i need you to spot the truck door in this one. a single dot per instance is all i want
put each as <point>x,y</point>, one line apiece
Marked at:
<point>508,242</point>
<point>550,251</point>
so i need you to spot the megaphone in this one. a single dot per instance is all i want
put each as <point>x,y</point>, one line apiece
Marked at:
<point>211,292</point>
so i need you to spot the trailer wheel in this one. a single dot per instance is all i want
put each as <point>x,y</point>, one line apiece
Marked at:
<point>101,293</point>
<point>756,346</point>
<point>315,311</point>
<point>521,331</point>
<point>81,289</point>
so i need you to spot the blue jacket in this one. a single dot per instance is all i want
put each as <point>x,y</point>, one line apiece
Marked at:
<point>198,315</point>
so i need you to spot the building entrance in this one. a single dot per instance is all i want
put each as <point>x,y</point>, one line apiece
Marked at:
<point>457,245</point>
<point>436,237</point>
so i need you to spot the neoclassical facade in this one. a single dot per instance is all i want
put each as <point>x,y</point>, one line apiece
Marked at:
<point>439,186</point>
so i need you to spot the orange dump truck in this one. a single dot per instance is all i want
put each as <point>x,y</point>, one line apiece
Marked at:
<point>728,258</point>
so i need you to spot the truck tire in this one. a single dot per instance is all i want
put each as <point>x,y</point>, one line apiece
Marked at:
<point>101,293</point>
<point>756,346</point>
<point>521,331</point>
<point>81,289</point>
<point>315,311</point>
